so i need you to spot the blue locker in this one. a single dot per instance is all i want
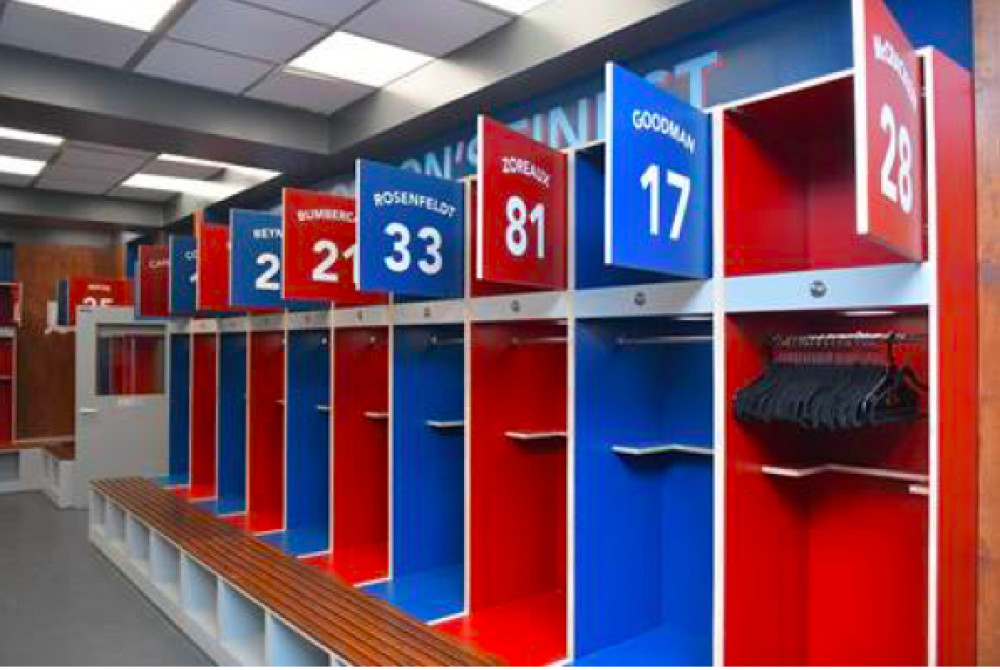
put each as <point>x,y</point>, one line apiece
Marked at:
<point>428,473</point>
<point>232,462</point>
<point>179,412</point>
<point>643,469</point>
<point>307,445</point>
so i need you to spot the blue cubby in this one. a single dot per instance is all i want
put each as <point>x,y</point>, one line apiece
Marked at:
<point>428,473</point>
<point>179,447</point>
<point>307,440</point>
<point>588,172</point>
<point>232,440</point>
<point>643,477</point>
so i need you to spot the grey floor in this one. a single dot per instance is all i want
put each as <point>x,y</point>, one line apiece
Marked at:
<point>62,604</point>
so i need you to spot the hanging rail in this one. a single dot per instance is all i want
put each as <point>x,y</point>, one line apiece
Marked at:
<point>663,339</point>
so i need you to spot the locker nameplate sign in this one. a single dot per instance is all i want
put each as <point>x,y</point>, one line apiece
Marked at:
<point>521,226</point>
<point>211,265</point>
<point>658,180</point>
<point>318,237</point>
<point>411,236</point>
<point>152,281</point>
<point>889,129</point>
<point>255,258</point>
<point>183,275</point>
<point>97,292</point>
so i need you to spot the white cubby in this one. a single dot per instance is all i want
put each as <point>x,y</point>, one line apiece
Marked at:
<point>165,566</point>
<point>114,523</point>
<point>199,594</point>
<point>241,626</point>
<point>286,647</point>
<point>10,467</point>
<point>137,542</point>
<point>98,505</point>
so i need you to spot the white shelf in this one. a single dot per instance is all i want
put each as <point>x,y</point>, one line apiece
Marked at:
<point>837,468</point>
<point>377,416</point>
<point>653,449</point>
<point>531,436</point>
<point>445,425</point>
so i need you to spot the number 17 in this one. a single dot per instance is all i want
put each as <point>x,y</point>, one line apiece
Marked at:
<point>650,181</point>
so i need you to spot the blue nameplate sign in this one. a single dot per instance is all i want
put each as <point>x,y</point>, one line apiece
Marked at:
<point>411,232</point>
<point>255,260</point>
<point>659,190</point>
<point>183,259</point>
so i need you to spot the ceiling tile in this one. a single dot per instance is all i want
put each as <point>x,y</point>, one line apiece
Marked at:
<point>32,150</point>
<point>71,186</point>
<point>328,12</point>
<point>107,148</point>
<point>69,36</point>
<point>84,175</point>
<point>184,170</point>
<point>75,156</point>
<point>141,194</point>
<point>432,27</point>
<point>247,30</point>
<point>15,179</point>
<point>317,94</point>
<point>190,64</point>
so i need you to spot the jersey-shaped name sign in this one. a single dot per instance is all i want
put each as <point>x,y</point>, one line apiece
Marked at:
<point>521,227</point>
<point>97,292</point>
<point>411,237</point>
<point>255,271</point>
<point>319,250</point>
<point>183,275</point>
<point>212,265</point>
<point>658,180</point>
<point>152,281</point>
<point>889,129</point>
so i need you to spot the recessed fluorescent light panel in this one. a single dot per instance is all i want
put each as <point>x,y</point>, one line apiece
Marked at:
<point>11,165</point>
<point>359,59</point>
<point>514,6</point>
<point>204,189</point>
<point>142,15</point>
<point>258,174</point>
<point>24,136</point>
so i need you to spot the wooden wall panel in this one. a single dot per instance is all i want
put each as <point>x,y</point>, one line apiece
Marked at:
<point>45,363</point>
<point>987,74</point>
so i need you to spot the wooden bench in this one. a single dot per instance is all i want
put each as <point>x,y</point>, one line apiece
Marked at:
<point>350,624</point>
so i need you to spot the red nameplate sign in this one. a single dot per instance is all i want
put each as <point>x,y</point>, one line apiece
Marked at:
<point>153,280</point>
<point>889,128</point>
<point>521,219</point>
<point>97,292</point>
<point>318,239</point>
<point>212,265</point>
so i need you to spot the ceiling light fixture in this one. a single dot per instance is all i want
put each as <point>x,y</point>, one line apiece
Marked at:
<point>25,136</point>
<point>25,166</point>
<point>142,15</point>
<point>212,190</point>
<point>359,59</point>
<point>514,6</point>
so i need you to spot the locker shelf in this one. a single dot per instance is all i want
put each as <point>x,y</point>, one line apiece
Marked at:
<point>445,425</point>
<point>657,448</point>
<point>837,468</point>
<point>524,632</point>
<point>429,595</point>
<point>535,435</point>
<point>377,416</point>
<point>356,565</point>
